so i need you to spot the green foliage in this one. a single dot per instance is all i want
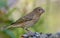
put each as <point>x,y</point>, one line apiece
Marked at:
<point>49,21</point>
<point>4,35</point>
<point>10,33</point>
<point>2,3</point>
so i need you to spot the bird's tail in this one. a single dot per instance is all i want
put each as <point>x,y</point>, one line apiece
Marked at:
<point>5,27</point>
<point>10,26</point>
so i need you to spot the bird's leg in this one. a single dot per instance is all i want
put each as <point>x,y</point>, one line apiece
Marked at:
<point>27,29</point>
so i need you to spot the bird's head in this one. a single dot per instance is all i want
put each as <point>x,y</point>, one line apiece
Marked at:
<point>39,10</point>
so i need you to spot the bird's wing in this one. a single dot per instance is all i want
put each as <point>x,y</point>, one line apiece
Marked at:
<point>24,19</point>
<point>28,17</point>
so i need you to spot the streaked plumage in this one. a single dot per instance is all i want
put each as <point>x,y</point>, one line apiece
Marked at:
<point>28,20</point>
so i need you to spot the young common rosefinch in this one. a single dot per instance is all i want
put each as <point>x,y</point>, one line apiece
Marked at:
<point>28,20</point>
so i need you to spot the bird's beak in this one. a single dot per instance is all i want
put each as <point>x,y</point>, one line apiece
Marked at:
<point>42,11</point>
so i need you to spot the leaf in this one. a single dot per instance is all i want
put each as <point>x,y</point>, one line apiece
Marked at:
<point>10,33</point>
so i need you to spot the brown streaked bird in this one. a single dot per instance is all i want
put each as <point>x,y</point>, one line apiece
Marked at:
<point>27,20</point>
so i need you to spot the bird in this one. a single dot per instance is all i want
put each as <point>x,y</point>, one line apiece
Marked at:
<point>28,20</point>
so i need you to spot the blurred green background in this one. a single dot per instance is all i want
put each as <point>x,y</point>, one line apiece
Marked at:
<point>12,10</point>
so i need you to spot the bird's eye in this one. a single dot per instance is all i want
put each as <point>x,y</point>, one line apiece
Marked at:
<point>39,9</point>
